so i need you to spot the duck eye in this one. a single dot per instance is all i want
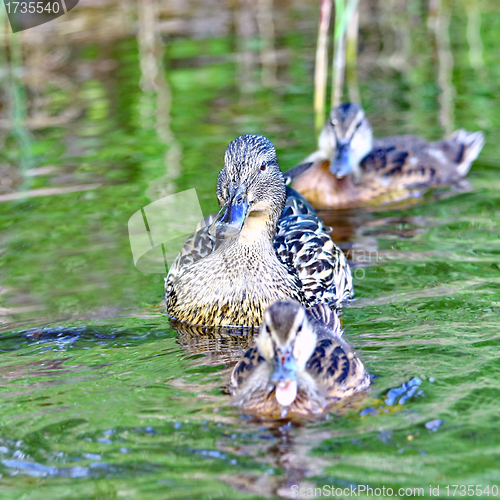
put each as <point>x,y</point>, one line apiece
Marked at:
<point>263,166</point>
<point>299,329</point>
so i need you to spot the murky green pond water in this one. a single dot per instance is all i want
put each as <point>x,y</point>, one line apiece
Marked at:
<point>99,397</point>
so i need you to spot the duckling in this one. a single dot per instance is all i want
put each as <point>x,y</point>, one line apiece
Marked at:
<point>265,244</point>
<point>351,168</point>
<point>299,366</point>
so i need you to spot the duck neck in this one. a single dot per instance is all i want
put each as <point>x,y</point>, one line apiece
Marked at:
<point>259,229</point>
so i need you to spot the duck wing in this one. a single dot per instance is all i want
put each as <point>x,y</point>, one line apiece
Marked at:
<point>200,244</point>
<point>410,162</point>
<point>289,175</point>
<point>245,368</point>
<point>296,204</point>
<point>336,369</point>
<point>303,244</point>
<point>325,319</point>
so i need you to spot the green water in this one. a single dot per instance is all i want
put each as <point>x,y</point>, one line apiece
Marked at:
<point>100,398</point>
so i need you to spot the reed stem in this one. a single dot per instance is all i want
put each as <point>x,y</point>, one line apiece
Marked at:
<point>344,15</point>
<point>321,68</point>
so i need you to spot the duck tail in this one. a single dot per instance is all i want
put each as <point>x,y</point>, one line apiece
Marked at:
<point>324,315</point>
<point>469,145</point>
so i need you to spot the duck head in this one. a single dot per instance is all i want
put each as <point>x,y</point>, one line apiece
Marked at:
<point>286,340</point>
<point>346,139</point>
<point>250,188</point>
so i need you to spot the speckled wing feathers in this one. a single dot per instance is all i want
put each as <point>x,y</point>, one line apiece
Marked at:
<point>327,322</point>
<point>397,168</point>
<point>244,368</point>
<point>409,162</point>
<point>199,245</point>
<point>303,244</point>
<point>337,370</point>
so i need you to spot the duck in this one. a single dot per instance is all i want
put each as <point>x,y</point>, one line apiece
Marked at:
<point>265,244</point>
<point>300,365</point>
<point>351,168</point>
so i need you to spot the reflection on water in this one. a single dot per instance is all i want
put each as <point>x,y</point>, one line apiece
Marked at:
<point>218,345</point>
<point>439,22</point>
<point>118,103</point>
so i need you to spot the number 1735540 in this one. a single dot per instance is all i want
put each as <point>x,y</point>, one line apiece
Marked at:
<point>478,490</point>
<point>33,7</point>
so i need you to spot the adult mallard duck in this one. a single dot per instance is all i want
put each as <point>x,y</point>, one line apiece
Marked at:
<point>299,366</point>
<point>265,244</point>
<point>351,168</point>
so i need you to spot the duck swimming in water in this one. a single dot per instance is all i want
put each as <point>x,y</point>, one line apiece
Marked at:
<point>299,366</point>
<point>266,244</point>
<point>351,168</point>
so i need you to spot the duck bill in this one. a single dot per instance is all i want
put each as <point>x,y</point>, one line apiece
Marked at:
<point>341,165</point>
<point>285,378</point>
<point>232,215</point>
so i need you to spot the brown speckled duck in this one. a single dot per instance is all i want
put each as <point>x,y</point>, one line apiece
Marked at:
<point>266,244</point>
<point>351,168</point>
<point>300,365</point>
